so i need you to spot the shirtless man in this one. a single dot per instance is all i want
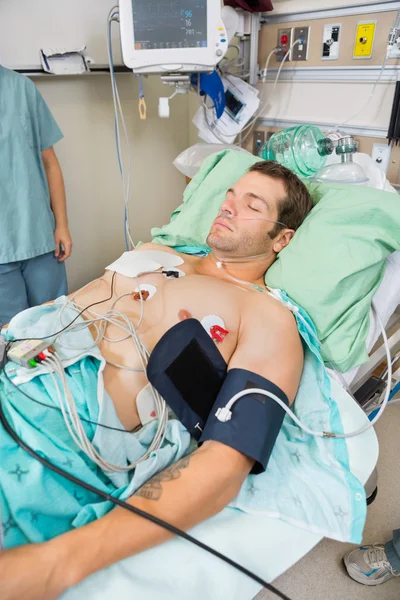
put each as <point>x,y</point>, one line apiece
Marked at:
<point>259,217</point>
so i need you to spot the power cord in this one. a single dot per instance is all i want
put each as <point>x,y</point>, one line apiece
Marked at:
<point>52,335</point>
<point>141,513</point>
<point>4,360</point>
<point>67,406</point>
<point>126,181</point>
<point>3,370</point>
<point>368,101</point>
<point>224,413</point>
<point>250,125</point>
<point>98,492</point>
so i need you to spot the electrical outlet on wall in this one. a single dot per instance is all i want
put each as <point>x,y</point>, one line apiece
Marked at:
<point>381,155</point>
<point>284,42</point>
<point>258,141</point>
<point>394,43</point>
<point>364,40</point>
<point>300,50</point>
<point>330,42</point>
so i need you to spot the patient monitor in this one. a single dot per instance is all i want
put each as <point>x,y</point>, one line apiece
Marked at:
<point>172,36</point>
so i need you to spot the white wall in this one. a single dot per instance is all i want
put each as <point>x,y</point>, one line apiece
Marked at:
<point>28,25</point>
<point>290,6</point>
<point>333,102</point>
<point>83,109</point>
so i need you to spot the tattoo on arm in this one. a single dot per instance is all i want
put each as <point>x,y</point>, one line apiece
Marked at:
<point>152,489</point>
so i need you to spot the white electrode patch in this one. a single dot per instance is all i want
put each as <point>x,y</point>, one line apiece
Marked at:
<point>145,287</point>
<point>138,262</point>
<point>170,274</point>
<point>210,321</point>
<point>145,405</point>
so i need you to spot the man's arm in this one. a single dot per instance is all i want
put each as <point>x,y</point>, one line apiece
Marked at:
<point>58,204</point>
<point>191,491</point>
<point>187,493</point>
<point>201,485</point>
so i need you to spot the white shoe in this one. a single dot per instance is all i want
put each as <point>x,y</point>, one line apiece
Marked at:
<point>369,565</point>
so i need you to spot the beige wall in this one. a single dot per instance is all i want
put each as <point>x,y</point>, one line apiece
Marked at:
<point>329,102</point>
<point>384,22</point>
<point>83,109</point>
<point>326,101</point>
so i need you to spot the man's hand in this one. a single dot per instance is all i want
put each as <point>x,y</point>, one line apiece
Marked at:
<point>63,241</point>
<point>31,572</point>
<point>190,491</point>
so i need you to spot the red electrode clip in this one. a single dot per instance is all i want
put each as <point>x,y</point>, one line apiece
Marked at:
<point>218,333</point>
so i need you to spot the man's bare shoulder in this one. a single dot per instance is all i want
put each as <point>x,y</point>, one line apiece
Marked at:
<point>266,311</point>
<point>269,343</point>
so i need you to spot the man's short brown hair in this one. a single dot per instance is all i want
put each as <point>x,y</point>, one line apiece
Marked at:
<point>297,203</point>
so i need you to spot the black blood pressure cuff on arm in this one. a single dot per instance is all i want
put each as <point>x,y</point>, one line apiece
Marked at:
<point>190,373</point>
<point>188,370</point>
<point>255,420</point>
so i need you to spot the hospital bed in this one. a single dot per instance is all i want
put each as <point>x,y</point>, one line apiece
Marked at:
<point>178,571</point>
<point>387,302</point>
<point>267,546</point>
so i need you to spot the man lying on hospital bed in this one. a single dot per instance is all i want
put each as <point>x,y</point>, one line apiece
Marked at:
<point>222,302</point>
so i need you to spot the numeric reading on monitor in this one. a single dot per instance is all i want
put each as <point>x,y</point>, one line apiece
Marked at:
<point>187,16</point>
<point>170,24</point>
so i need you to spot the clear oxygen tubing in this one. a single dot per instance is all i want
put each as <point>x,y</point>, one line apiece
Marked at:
<point>233,260</point>
<point>118,114</point>
<point>225,413</point>
<point>100,323</point>
<point>227,215</point>
<point>396,24</point>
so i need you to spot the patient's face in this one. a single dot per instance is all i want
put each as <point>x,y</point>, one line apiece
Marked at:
<point>253,205</point>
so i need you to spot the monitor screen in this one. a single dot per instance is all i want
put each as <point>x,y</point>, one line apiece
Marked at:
<point>170,24</point>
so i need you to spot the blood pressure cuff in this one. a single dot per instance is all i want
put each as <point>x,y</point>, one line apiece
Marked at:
<point>187,370</point>
<point>256,419</point>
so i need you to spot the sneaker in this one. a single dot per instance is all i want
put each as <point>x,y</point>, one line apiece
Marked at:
<point>369,565</point>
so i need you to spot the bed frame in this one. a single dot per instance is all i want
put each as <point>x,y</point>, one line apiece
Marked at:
<point>378,355</point>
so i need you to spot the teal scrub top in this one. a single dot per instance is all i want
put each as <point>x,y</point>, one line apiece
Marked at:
<point>27,127</point>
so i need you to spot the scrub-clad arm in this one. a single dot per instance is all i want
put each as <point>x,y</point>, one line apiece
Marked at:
<point>187,493</point>
<point>58,204</point>
<point>49,134</point>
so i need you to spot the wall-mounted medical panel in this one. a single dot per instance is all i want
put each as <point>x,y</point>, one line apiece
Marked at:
<point>283,42</point>
<point>333,40</point>
<point>364,42</point>
<point>301,35</point>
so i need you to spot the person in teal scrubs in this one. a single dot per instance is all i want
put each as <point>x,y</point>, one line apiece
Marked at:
<point>34,235</point>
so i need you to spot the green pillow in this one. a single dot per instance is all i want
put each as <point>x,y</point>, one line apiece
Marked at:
<point>334,263</point>
<point>191,221</point>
